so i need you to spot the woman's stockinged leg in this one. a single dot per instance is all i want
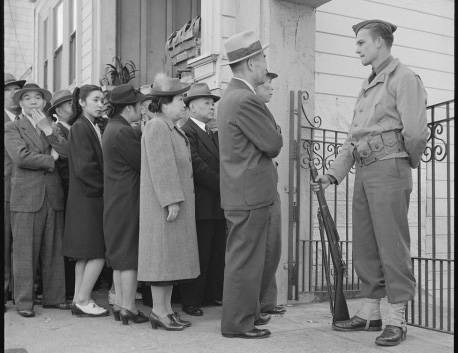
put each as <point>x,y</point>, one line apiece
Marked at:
<point>117,288</point>
<point>158,294</point>
<point>91,273</point>
<point>80,265</point>
<point>129,289</point>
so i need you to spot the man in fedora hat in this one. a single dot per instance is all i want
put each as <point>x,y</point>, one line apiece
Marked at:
<point>210,222</point>
<point>36,202</point>
<point>61,107</point>
<point>11,85</point>
<point>387,137</point>
<point>268,296</point>
<point>248,140</point>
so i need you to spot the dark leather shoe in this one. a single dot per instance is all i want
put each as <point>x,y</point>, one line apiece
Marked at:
<point>263,319</point>
<point>357,324</point>
<point>193,310</point>
<point>391,336</point>
<point>127,315</point>
<point>26,313</point>
<point>276,310</point>
<point>61,306</point>
<point>177,318</point>
<point>254,333</point>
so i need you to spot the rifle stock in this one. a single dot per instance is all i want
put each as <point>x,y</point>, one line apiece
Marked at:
<point>339,308</point>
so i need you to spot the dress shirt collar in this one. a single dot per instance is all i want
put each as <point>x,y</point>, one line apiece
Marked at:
<point>198,123</point>
<point>246,82</point>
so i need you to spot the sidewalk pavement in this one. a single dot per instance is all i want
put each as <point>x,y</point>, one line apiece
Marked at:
<point>305,328</point>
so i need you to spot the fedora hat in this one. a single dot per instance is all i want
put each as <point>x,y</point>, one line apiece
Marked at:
<point>125,94</point>
<point>241,46</point>
<point>11,80</point>
<point>199,90</point>
<point>29,87</point>
<point>58,98</point>
<point>167,86</point>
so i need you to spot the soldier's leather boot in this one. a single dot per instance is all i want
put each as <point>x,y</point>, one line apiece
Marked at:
<point>368,318</point>
<point>395,330</point>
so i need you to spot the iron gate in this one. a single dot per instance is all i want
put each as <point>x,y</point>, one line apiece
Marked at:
<point>430,215</point>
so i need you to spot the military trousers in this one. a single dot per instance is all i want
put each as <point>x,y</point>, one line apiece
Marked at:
<point>268,296</point>
<point>37,239</point>
<point>381,239</point>
<point>244,267</point>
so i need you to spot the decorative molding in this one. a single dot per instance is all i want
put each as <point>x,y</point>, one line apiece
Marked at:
<point>203,66</point>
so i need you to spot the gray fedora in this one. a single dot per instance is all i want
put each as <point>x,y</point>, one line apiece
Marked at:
<point>199,90</point>
<point>241,46</point>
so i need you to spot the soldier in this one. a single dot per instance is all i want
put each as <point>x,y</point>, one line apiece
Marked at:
<point>387,137</point>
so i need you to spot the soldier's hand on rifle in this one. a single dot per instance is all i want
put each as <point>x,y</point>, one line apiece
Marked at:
<point>322,181</point>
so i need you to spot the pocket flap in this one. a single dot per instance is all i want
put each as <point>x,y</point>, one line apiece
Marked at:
<point>389,138</point>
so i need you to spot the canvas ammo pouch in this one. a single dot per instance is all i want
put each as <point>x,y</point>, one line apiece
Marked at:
<point>378,146</point>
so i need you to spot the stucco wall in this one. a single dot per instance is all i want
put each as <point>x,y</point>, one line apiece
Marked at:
<point>18,43</point>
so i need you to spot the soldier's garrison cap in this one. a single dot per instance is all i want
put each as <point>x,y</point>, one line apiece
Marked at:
<point>387,25</point>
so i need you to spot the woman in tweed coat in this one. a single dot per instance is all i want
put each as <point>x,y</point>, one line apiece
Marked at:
<point>167,241</point>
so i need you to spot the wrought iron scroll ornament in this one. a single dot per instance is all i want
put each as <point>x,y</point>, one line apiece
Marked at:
<point>438,150</point>
<point>316,119</point>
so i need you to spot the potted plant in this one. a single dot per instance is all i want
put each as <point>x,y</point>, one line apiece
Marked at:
<point>117,73</point>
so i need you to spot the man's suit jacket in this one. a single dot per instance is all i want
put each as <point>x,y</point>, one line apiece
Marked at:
<point>7,166</point>
<point>205,166</point>
<point>33,169</point>
<point>248,140</point>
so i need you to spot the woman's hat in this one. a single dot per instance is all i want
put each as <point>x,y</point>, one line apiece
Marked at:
<point>199,90</point>
<point>125,94</point>
<point>167,86</point>
<point>241,46</point>
<point>11,80</point>
<point>58,98</point>
<point>146,90</point>
<point>29,87</point>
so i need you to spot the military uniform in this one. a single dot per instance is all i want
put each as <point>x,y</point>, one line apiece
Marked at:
<point>386,139</point>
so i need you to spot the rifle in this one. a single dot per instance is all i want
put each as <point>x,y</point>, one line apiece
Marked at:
<point>339,308</point>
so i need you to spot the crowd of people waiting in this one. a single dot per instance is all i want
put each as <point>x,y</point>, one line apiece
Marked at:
<point>127,179</point>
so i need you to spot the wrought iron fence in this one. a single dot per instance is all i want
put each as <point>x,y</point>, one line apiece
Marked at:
<point>430,215</point>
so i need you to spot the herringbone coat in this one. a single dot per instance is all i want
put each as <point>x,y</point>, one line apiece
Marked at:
<point>167,250</point>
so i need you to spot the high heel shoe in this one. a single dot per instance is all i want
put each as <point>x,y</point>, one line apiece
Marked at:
<point>177,318</point>
<point>168,323</point>
<point>127,315</point>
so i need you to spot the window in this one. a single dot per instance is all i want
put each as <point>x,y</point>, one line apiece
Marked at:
<point>58,41</point>
<point>72,40</point>
<point>45,53</point>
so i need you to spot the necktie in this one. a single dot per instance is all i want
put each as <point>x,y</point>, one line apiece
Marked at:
<point>208,130</point>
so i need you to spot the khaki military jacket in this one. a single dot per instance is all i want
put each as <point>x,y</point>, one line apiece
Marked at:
<point>394,100</point>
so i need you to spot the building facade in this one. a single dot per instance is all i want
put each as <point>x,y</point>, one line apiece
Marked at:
<point>18,43</point>
<point>311,48</point>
